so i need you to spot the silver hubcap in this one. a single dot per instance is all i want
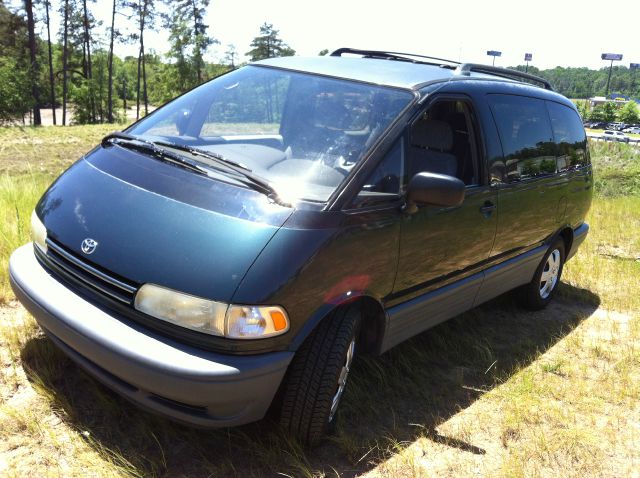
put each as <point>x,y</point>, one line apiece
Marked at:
<point>342,378</point>
<point>549,276</point>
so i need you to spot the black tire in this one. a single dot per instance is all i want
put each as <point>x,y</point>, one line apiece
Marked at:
<point>312,379</point>
<point>534,296</point>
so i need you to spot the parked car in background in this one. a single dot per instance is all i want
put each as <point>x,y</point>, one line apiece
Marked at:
<point>596,125</point>
<point>616,126</point>
<point>238,246</point>
<point>632,130</point>
<point>609,135</point>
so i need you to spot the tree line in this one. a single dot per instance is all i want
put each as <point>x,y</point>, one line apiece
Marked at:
<point>582,83</point>
<point>81,70</point>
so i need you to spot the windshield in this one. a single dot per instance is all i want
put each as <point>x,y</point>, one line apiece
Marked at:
<point>302,133</point>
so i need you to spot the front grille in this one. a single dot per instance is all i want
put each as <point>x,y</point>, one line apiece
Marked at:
<point>71,267</point>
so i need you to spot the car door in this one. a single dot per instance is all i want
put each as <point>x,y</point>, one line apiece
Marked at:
<point>440,245</point>
<point>531,194</point>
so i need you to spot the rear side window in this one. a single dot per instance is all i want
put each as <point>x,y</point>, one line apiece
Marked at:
<point>525,132</point>
<point>569,135</point>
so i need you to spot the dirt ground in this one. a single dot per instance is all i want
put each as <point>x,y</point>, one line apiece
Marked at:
<point>46,115</point>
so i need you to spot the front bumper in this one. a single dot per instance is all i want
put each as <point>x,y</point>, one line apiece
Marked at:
<point>184,383</point>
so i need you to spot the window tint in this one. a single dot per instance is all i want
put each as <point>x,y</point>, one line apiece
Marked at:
<point>525,132</point>
<point>569,135</point>
<point>386,178</point>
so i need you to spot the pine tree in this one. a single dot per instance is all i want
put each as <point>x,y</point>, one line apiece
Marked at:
<point>269,45</point>
<point>66,13</point>
<point>146,17</point>
<point>52,85</point>
<point>34,70</point>
<point>189,40</point>
<point>230,56</point>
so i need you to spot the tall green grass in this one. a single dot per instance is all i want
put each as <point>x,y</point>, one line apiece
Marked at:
<point>18,196</point>
<point>616,169</point>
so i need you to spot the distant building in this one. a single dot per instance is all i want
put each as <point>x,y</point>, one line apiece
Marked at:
<point>616,98</point>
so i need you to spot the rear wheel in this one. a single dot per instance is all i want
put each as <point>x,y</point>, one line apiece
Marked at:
<point>539,292</point>
<point>318,375</point>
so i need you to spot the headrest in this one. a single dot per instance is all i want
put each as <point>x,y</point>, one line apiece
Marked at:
<point>458,122</point>
<point>432,134</point>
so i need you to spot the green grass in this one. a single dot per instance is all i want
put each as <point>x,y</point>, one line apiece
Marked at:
<point>616,169</point>
<point>495,391</point>
<point>18,195</point>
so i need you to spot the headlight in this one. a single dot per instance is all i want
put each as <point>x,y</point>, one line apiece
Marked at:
<point>182,309</point>
<point>38,232</point>
<point>210,317</point>
<point>252,322</point>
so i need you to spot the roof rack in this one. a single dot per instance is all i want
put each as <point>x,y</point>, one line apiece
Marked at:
<point>394,55</point>
<point>465,69</point>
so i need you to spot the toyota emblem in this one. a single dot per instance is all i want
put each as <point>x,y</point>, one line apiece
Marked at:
<point>89,245</point>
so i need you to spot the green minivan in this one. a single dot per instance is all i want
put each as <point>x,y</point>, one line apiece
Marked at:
<point>231,252</point>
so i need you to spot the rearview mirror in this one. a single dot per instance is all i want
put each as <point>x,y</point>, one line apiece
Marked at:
<point>182,121</point>
<point>435,190</point>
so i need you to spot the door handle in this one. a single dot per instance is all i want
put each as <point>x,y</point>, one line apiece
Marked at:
<point>487,208</point>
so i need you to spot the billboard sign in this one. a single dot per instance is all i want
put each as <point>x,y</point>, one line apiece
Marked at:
<point>634,66</point>
<point>494,53</point>
<point>611,56</point>
<point>528,57</point>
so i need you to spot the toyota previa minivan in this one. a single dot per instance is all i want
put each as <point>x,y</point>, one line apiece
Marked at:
<point>230,253</point>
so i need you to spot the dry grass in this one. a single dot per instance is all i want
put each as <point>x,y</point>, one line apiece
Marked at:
<point>494,392</point>
<point>47,150</point>
<point>572,412</point>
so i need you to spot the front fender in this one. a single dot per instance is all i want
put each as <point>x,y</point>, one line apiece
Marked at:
<point>321,261</point>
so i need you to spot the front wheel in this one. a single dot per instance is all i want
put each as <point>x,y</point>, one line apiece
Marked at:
<point>539,292</point>
<point>318,375</point>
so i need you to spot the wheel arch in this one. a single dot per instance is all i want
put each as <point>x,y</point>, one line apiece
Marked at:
<point>373,322</point>
<point>566,233</point>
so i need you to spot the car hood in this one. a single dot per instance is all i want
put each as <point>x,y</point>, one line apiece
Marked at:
<point>158,223</point>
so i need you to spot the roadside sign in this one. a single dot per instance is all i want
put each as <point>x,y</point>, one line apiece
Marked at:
<point>634,66</point>
<point>611,56</point>
<point>494,53</point>
<point>528,56</point>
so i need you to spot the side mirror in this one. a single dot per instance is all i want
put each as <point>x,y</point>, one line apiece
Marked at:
<point>435,190</point>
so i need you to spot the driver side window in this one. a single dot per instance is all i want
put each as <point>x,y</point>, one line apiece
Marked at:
<point>442,141</point>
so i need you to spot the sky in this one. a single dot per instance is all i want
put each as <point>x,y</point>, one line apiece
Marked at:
<point>556,32</point>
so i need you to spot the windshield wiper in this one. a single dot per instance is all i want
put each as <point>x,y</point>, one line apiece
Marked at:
<point>243,174</point>
<point>205,154</point>
<point>140,144</point>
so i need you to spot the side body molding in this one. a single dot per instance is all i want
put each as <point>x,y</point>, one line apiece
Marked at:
<point>428,310</point>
